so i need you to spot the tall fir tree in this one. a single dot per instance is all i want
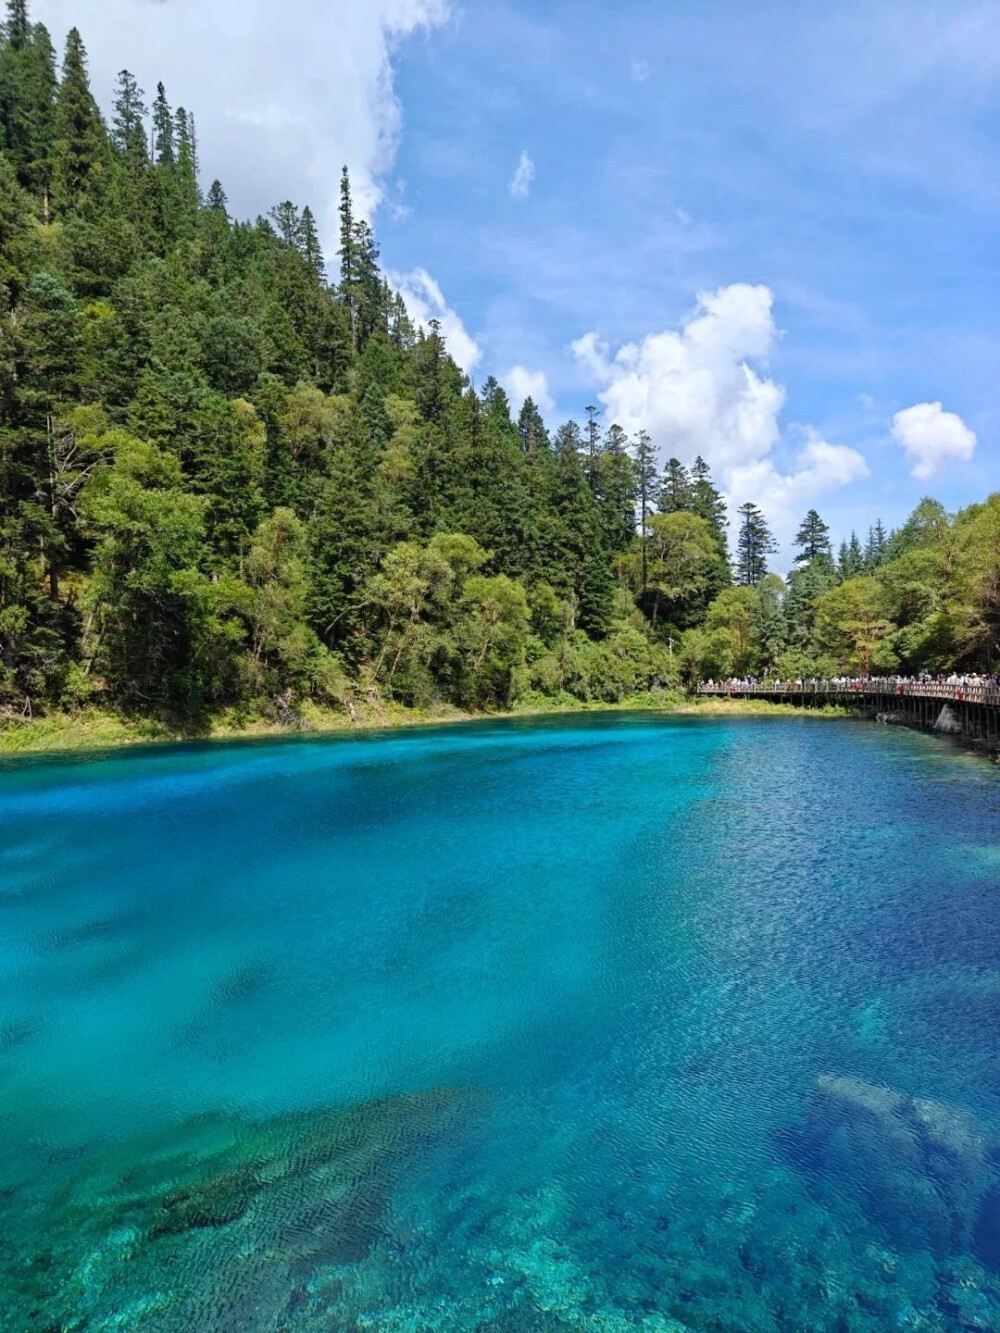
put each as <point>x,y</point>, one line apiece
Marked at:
<point>676,489</point>
<point>27,97</point>
<point>875,546</point>
<point>80,148</point>
<point>163,130</point>
<point>812,540</point>
<point>647,490</point>
<point>754,544</point>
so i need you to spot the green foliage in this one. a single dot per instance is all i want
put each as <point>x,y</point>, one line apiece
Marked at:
<point>231,481</point>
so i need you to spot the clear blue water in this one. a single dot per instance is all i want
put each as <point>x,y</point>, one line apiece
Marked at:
<point>622,1023</point>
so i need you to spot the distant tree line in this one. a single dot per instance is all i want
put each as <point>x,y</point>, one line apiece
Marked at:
<point>226,480</point>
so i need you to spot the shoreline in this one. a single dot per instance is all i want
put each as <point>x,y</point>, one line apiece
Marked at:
<point>97,730</point>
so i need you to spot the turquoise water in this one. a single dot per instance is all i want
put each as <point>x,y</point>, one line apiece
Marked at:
<point>623,1023</point>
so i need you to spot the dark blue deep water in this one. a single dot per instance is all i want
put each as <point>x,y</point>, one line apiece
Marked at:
<point>614,1024</point>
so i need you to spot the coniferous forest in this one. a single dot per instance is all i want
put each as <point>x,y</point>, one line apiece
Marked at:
<point>234,475</point>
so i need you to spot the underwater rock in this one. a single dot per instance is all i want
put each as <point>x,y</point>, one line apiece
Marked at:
<point>16,1033</point>
<point>917,1167</point>
<point>220,1215</point>
<point>243,982</point>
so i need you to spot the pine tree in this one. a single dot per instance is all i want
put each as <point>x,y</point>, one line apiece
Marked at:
<point>531,428</point>
<point>616,491</point>
<point>369,314</point>
<point>754,544</point>
<point>875,547</point>
<point>163,130</point>
<point>187,160</point>
<point>18,26</point>
<point>27,96</point>
<point>812,539</point>
<point>646,487</point>
<point>676,489</point>
<point>309,246</point>
<point>593,437</point>
<point>287,222</point>
<point>851,560</point>
<point>348,254</point>
<point>216,199</point>
<point>80,151</point>
<point>707,503</point>
<point>128,132</point>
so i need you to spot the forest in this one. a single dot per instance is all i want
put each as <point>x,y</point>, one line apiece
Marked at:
<point>235,476</point>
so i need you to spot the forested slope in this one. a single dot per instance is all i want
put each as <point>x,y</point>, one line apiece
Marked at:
<point>234,475</point>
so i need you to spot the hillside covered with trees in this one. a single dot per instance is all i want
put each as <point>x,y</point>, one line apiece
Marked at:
<point>234,475</point>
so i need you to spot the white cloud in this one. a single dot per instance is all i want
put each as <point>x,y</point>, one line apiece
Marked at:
<point>639,70</point>
<point>522,383</point>
<point>693,389</point>
<point>818,468</point>
<point>703,389</point>
<point>932,438</point>
<point>520,186</point>
<point>278,116</point>
<point>424,302</point>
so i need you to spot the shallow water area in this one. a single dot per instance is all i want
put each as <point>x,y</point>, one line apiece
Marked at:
<point>614,1022</point>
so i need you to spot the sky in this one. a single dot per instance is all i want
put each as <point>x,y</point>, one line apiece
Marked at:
<point>765,231</point>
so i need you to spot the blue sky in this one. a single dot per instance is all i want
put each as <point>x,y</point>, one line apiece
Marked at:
<point>785,213</point>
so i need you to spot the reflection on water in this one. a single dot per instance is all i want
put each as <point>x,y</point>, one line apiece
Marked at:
<point>621,1024</point>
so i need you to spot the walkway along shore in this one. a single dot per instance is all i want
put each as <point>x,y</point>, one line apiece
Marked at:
<point>966,709</point>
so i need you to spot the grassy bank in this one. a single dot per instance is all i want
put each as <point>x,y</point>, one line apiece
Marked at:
<point>97,729</point>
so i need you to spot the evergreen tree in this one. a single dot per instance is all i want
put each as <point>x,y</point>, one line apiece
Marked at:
<point>348,258</point>
<point>186,148</point>
<point>309,246</point>
<point>27,97</point>
<point>676,489</point>
<point>615,484</point>
<point>707,502</point>
<point>128,132</point>
<point>531,428</point>
<point>593,446</point>
<point>875,547</point>
<point>812,540</point>
<point>754,544</point>
<point>646,487</point>
<point>18,25</point>
<point>163,130</point>
<point>216,199</point>
<point>287,223</point>
<point>368,286</point>
<point>80,150</point>
<point>851,560</point>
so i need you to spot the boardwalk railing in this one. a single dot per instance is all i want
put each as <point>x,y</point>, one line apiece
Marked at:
<point>878,688</point>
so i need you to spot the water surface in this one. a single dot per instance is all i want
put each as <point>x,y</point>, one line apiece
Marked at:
<point>615,1023</point>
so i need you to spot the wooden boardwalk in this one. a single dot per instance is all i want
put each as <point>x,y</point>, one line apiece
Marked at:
<point>971,710</point>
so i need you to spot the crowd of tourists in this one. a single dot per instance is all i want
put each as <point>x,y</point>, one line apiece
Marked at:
<point>958,681</point>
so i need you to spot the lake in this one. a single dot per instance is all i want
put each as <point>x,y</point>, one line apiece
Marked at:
<point>614,1022</point>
